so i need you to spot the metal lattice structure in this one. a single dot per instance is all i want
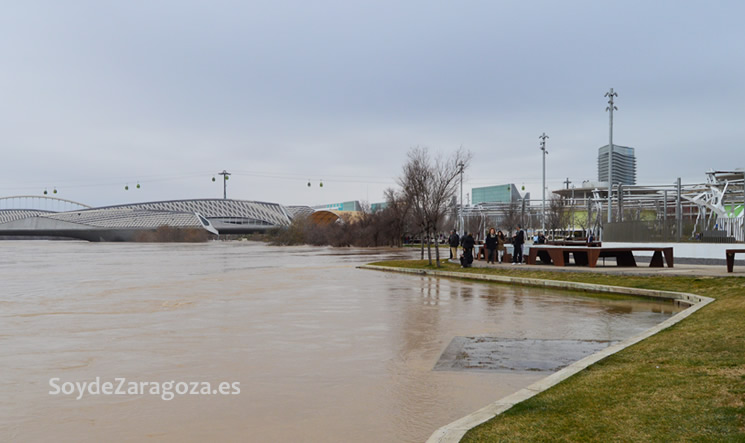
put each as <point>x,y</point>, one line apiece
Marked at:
<point>222,211</point>
<point>128,218</point>
<point>299,211</point>
<point>721,203</point>
<point>9,215</point>
<point>710,212</point>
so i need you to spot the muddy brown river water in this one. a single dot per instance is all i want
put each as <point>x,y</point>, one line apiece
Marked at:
<point>319,350</point>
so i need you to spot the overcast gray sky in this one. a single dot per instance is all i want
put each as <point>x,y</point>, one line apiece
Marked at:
<point>96,95</point>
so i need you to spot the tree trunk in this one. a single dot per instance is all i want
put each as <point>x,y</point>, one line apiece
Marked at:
<point>422,246</point>
<point>437,253</point>
<point>429,248</point>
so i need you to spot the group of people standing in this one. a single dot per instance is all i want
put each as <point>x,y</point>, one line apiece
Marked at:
<point>494,243</point>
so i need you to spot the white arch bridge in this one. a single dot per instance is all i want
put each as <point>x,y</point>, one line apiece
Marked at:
<point>40,203</point>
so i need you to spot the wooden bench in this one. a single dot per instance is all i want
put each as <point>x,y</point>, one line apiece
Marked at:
<point>588,256</point>
<point>593,244</point>
<point>731,258</point>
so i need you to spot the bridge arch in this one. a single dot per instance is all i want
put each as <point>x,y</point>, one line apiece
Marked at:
<point>40,202</point>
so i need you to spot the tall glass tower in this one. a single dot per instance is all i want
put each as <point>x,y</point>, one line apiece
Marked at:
<point>624,165</point>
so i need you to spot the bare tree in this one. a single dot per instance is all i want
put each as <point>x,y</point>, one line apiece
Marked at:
<point>580,221</point>
<point>512,217</point>
<point>417,174</point>
<point>396,215</point>
<point>472,224</point>
<point>558,214</point>
<point>365,207</point>
<point>429,184</point>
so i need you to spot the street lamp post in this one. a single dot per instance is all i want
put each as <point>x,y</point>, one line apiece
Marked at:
<point>543,138</point>
<point>611,107</point>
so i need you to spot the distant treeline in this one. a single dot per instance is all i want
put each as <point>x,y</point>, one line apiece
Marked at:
<point>368,229</point>
<point>168,234</point>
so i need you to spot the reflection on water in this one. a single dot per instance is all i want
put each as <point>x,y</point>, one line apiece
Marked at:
<point>323,351</point>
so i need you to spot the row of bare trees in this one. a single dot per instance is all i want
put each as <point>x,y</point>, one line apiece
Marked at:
<point>368,229</point>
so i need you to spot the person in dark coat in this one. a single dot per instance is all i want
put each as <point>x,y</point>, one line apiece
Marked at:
<point>454,242</point>
<point>541,240</point>
<point>517,242</point>
<point>490,243</point>
<point>467,258</point>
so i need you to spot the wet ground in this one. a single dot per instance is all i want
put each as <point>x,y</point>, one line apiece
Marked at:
<point>498,354</point>
<point>321,351</point>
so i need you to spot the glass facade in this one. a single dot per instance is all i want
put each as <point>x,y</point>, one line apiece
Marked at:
<point>344,206</point>
<point>624,165</point>
<point>494,194</point>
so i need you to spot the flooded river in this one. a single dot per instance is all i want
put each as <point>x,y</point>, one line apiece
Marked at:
<point>310,348</point>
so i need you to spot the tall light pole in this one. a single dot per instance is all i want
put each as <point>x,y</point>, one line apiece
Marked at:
<point>460,219</point>
<point>611,107</point>
<point>225,174</point>
<point>543,138</point>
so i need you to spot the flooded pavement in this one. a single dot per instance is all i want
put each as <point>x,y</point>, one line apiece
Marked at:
<point>321,351</point>
<point>507,355</point>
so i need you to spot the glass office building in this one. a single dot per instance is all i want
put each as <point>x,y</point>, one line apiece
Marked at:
<point>495,194</point>
<point>344,206</point>
<point>624,165</point>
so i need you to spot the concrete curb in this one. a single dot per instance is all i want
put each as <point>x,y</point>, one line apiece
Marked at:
<point>454,431</point>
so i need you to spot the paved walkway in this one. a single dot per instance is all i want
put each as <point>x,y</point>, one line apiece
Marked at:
<point>703,270</point>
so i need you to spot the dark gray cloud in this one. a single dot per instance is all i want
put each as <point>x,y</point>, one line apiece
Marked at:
<point>99,94</point>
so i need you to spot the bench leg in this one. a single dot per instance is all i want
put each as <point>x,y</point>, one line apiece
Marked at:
<point>592,257</point>
<point>656,260</point>
<point>668,256</point>
<point>625,258</point>
<point>557,257</point>
<point>730,262</point>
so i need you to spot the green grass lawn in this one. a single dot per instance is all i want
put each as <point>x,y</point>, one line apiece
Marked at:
<point>687,383</point>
